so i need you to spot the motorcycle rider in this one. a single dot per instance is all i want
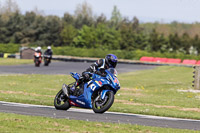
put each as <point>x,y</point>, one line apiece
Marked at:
<point>98,67</point>
<point>49,52</point>
<point>38,50</point>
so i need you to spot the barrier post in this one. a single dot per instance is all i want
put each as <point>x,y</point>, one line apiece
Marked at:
<point>196,76</point>
<point>5,55</point>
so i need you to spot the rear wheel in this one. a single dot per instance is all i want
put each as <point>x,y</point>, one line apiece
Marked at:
<point>101,105</point>
<point>61,101</point>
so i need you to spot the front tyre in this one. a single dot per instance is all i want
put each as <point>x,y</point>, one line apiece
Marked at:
<point>37,63</point>
<point>46,62</point>
<point>102,105</point>
<point>61,101</point>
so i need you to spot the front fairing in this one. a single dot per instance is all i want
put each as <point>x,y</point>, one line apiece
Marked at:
<point>114,82</point>
<point>84,100</point>
<point>93,85</point>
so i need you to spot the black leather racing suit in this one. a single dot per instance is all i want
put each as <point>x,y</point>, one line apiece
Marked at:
<point>49,52</point>
<point>98,67</point>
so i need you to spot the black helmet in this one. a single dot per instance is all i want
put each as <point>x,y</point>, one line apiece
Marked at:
<point>111,60</point>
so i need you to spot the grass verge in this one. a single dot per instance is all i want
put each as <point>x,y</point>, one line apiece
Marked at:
<point>161,91</point>
<point>10,61</point>
<point>38,124</point>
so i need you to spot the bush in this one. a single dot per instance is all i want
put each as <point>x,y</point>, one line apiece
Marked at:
<point>100,53</point>
<point>121,54</point>
<point>9,48</point>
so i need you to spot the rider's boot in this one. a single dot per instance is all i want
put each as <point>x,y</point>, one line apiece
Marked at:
<point>69,91</point>
<point>65,90</point>
<point>76,87</point>
<point>72,90</point>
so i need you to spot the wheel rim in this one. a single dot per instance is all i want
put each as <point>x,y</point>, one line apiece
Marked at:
<point>100,103</point>
<point>60,99</point>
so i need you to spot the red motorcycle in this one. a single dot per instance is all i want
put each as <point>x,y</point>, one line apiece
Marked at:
<point>37,59</point>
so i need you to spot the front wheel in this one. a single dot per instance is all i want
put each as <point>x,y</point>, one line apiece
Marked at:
<point>61,101</point>
<point>101,105</point>
<point>37,63</point>
<point>46,62</point>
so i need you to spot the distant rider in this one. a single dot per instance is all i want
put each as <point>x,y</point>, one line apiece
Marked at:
<point>38,50</point>
<point>98,67</point>
<point>49,52</point>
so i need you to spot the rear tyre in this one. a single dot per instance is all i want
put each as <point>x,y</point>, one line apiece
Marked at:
<point>61,101</point>
<point>100,106</point>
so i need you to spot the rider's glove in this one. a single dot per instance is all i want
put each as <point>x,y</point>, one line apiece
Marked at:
<point>98,72</point>
<point>86,76</point>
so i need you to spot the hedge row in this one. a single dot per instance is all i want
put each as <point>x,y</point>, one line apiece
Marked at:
<point>100,53</point>
<point>122,54</point>
<point>9,48</point>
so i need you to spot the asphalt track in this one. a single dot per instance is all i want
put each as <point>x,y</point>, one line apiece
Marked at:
<point>64,68</point>
<point>82,114</point>
<point>89,115</point>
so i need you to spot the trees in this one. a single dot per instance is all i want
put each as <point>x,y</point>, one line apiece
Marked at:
<point>101,19</point>
<point>186,43</point>
<point>83,15</point>
<point>132,35</point>
<point>102,37</point>
<point>127,37</point>
<point>116,17</point>
<point>14,28</point>
<point>67,34</point>
<point>196,43</point>
<point>8,8</point>
<point>174,43</point>
<point>49,31</point>
<point>3,30</point>
<point>157,42</point>
<point>29,30</point>
<point>68,18</point>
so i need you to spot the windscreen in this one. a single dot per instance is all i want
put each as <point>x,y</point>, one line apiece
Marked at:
<point>113,71</point>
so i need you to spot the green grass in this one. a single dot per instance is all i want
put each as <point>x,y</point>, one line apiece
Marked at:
<point>37,124</point>
<point>151,92</point>
<point>10,61</point>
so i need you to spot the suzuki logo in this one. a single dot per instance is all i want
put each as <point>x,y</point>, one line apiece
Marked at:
<point>80,102</point>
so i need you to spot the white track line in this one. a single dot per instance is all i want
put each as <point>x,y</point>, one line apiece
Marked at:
<point>90,111</point>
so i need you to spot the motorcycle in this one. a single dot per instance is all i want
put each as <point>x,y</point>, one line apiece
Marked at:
<point>97,94</point>
<point>47,60</point>
<point>37,59</point>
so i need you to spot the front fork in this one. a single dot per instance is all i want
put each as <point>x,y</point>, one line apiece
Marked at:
<point>101,98</point>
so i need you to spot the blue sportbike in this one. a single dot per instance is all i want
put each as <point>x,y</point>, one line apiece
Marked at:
<point>97,94</point>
